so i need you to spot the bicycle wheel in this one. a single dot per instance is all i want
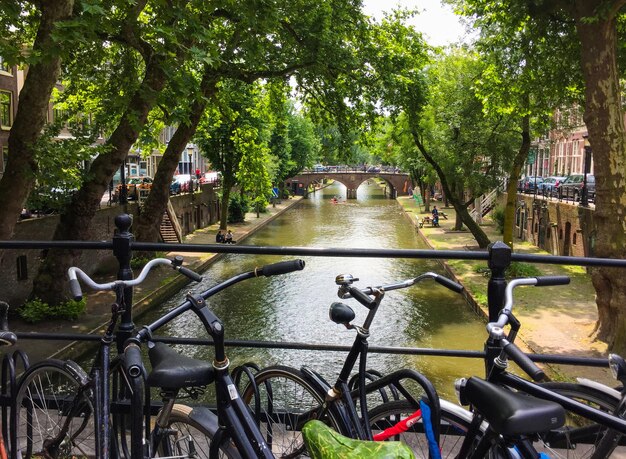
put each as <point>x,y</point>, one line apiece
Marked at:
<point>284,403</point>
<point>188,438</point>
<point>455,423</point>
<point>54,416</point>
<point>580,437</point>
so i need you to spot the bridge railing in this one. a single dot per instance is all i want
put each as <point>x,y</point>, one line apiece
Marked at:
<point>498,256</point>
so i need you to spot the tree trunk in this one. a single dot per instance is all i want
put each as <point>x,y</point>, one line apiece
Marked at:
<point>604,118</point>
<point>224,208</point>
<point>511,188</point>
<point>18,179</point>
<point>75,221</point>
<point>461,209</point>
<point>146,228</point>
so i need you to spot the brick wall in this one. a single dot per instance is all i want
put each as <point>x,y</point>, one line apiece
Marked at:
<point>20,266</point>
<point>558,227</point>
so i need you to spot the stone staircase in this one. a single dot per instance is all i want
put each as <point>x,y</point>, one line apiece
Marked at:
<point>170,229</point>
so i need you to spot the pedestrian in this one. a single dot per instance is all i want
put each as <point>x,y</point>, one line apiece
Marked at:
<point>410,190</point>
<point>228,239</point>
<point>198,174</point>
<point>435,216</point>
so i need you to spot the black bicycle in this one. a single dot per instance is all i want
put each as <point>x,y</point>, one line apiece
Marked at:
<point>284,399</point>
<point>63,411</point>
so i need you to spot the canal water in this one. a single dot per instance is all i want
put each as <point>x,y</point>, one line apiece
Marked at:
<point>294,307</point>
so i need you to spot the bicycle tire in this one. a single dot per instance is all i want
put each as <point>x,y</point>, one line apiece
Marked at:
<point>187,437</point>
<point>455,422</point>
<point>577,425</point>
<point>48,400</point>
<point>286,401</point>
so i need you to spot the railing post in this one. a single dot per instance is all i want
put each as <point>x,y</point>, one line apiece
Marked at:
<point>122,251</point>
<point>499,261</point>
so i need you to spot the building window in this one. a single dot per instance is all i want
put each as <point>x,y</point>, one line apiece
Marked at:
<point>574,239</point>
<point>22,268</point>
<point>560,234</point>
<point>6,109</point>
<point>4,67</point>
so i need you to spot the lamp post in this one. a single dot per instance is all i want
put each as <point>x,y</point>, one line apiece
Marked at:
<point>190,153</point>
<point>123,189</point>
<point>584,195</point>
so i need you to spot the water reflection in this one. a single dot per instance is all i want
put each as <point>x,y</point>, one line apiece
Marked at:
<point>294,307</point>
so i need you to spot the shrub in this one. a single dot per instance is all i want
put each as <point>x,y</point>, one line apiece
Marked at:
<point>286,194</point>
<point>498,217</point>
<point>237,208</point>
<point>36,310</point>
<point>516,269</point>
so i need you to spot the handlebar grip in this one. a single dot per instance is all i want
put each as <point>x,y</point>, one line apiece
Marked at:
<point>551,280</point>
<point>75,290</point>
<point>133,361</point>
<point>282,267</point>
<point>361,297</point>
<point>449,283</point>
<point>524,362</point>
<point>194,276</point>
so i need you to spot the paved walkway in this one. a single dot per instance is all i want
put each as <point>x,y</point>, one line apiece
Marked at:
<point>555,320</point>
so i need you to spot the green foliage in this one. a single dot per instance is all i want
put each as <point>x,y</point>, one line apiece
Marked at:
<point>521,269</point>
<point>516,269</point>
<point>237,208</point>
<point>497,216</point>
<point>37,311</point>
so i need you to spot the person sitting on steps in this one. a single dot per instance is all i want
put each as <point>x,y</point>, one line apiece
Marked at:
<point>228,239</point>
<point>219,237</point>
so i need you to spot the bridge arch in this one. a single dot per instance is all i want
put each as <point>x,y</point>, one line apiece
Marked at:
<point>397,181</point>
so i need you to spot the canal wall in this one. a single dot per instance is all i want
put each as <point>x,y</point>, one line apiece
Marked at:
<point>160,285</point>
<point>19,266</point>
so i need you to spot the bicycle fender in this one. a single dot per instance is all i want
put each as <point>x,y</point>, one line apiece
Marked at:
<point>600,387</point>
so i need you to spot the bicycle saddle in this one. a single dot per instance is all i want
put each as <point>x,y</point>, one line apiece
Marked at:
<point>171,370</point>
<point>322,442</point>
<point>512,413</point>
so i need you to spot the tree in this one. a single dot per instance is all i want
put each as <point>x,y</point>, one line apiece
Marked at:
<point>530,69</point>
<point>159,47</point>
<point>444,114</point>
<point>44,64</point>
<point>596,26</point>
<point>224,135</point>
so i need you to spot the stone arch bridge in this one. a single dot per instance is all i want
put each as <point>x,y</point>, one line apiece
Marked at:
<point>351,178</point>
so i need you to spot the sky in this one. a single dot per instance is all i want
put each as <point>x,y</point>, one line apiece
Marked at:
<point>439,25</point>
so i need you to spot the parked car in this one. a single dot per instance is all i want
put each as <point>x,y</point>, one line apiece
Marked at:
<point>174,187</point>
<point>549,185</point>
<point>528,184</point>
<point>210,177</point>
<point>373,169</point>
<point>320,168</point>
<point>572,186</point>
<point>183,180</point>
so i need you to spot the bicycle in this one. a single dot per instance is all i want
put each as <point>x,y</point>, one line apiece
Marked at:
<point>7,338</point>
<point>463,425</point>
<point>233,432</point>
<point>284,399</point>
<point>61,411</point>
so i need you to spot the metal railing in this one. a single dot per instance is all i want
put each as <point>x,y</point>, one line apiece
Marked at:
<point>498,256</point>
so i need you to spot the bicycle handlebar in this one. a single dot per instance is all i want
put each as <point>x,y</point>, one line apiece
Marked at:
<point>74,273</point>
<point>541,281</point>
<point>448,283</point>
<point>132,352</point>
